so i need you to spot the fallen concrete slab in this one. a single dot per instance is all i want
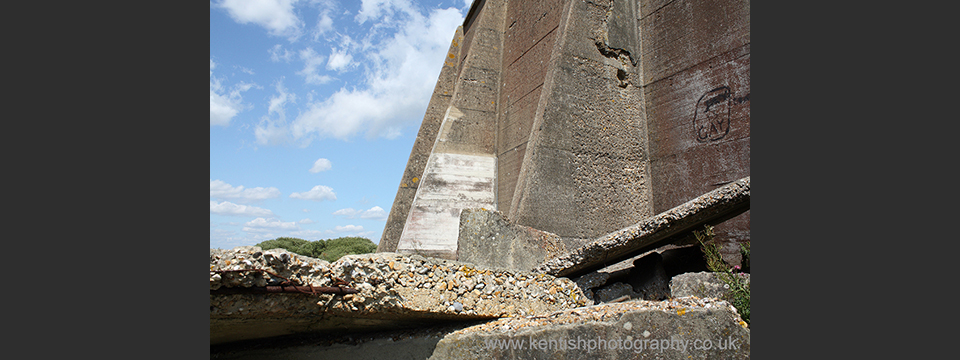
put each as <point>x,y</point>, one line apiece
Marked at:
<point>711,208</point>
<point>681,328</point>
<point>488,238</point>
<point>369,292</point>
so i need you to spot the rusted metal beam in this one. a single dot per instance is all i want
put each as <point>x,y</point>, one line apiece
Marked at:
<point>286,289</point>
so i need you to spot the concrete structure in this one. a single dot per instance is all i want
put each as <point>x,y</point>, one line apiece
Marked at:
<point>580,118</point>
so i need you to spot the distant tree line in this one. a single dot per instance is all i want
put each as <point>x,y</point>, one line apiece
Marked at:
<point>329,250</point>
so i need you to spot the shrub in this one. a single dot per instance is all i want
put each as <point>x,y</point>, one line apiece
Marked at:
<point>739,295</point>
<point>329,250</point>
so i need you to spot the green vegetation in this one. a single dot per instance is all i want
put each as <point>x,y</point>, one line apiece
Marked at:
<point>329,250</point>
<point>739,289</point>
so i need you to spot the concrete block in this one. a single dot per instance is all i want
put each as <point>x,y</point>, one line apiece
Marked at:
<point>488,239</point>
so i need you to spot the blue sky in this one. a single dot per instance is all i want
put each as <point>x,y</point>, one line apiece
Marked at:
<point>314,107</point>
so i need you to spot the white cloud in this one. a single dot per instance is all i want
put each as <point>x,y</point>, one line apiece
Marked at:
<point>263,225</point>
<point>277,16</point>
<point>243,69</point>
<point>279,102</point>
<point>229,208</point>
<point>318,193</point>
<point>373,9</point>
<point>222,190</point>
<point>374,213</point>
<point>349,213</point>
<point>224,103</point>
<point>305,210</point>
<point>312,62</point>
<point>274,130</point>
<point>339,60</point>
<point>399,75</point>
<point>306,221</point>
<point>321,165</point>
<point>276,55</point>
<point>348,228</point>
<point>324,25</point>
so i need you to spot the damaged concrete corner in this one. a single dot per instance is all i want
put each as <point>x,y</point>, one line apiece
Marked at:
<point>488,238</point>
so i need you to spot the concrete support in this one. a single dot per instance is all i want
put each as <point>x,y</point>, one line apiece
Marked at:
<point>461,170</point>
<point>439,102</point>
<point>585,169</point>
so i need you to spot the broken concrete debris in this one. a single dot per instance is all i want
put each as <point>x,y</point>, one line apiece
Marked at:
<point>676,329</point>
<point>488,238</point>
<point>391,289</point>
<point>397,292</point>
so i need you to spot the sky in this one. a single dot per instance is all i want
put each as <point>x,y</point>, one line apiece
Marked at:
<point>314,108</point>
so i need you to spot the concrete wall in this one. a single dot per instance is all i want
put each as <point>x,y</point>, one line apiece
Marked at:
<point>584,171</point>
<point>594,115</point>
<point>696,82</point>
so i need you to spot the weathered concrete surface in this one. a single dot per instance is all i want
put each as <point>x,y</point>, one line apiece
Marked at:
<point>680,328</point>
<point>696,83</point>
<point>584,169</point>
<point>394,291</point>
<point>451,182</point>
<point>487,238</point>
<point>713,207</point>
<point>701,284</point>
<point>529,35</point>
<point>426,137</point>
<point>461,169</point>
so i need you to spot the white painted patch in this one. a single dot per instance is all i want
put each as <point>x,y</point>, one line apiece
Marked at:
<point>450,183</point>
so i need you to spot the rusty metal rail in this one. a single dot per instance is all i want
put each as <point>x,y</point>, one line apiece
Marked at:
<point>287,286</point>
<point>314,290</point>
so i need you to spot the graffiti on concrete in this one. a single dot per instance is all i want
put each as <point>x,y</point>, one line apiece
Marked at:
<point>711,117</point>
